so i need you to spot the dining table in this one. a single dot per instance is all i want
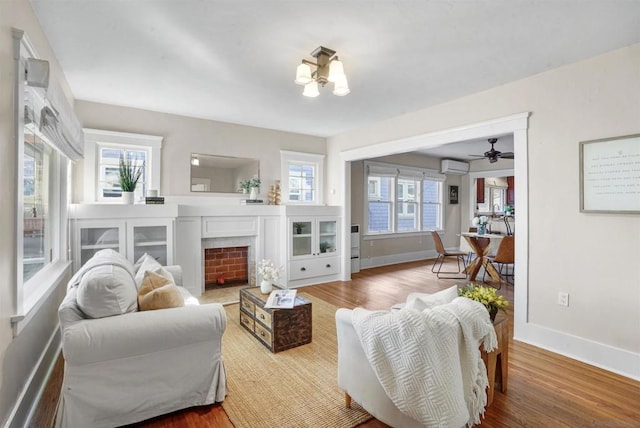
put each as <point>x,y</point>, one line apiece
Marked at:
<point>480,245</point>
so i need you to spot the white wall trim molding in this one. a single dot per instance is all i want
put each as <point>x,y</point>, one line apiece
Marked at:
<point>31,393</point>
<point>392,259</point>
<point>606,357</point>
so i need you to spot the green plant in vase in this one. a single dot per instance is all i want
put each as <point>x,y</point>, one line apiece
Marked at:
<point>298,227</point>
<point>129,175</point>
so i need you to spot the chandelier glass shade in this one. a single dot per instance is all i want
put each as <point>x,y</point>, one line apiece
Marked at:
<point>328,68</point>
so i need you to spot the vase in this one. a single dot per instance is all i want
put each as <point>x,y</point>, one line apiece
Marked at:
<point>266,286</point>
<point>253,193</point>
<point>492,314</point>
<point>127,198</point>
<point>482,229</point>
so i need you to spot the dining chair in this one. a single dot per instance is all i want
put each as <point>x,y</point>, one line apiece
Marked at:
<point>504,257</point>
<point>443,253</point>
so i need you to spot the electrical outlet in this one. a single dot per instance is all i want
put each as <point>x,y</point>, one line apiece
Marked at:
<point>563,298</point>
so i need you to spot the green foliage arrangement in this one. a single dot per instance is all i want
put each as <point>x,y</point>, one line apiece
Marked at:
<point>254,182</point>
<point>485,295</point>
<point>245,184</point>
<point>129,174</point>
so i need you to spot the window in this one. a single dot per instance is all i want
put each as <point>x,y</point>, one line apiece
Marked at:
<point>402,199</point>
<point>103,151</point>
<point>302,177</point>
<point>38,178</point>
<point>108,166</point>
<point>381,206</point>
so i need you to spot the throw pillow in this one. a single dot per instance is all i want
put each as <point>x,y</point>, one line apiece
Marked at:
<point>151,264</point>
<point>421,301</point>
<point>106,290</point>
<point>158,292</point>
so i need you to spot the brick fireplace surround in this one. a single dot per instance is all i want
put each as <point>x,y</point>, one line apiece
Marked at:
<point>228,263</point>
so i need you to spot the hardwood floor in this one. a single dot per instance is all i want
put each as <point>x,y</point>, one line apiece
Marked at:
<point>545,389</point>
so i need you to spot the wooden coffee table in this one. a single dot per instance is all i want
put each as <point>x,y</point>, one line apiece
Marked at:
<point>277,329</point>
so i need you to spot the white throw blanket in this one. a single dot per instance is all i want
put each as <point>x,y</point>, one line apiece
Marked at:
<point>429,363</point>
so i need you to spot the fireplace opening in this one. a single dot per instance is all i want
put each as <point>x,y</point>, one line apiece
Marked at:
<point>225,267</point>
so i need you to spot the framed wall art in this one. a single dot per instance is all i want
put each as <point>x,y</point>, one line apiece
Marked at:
<point>453,194</point>
<point>610,175</point>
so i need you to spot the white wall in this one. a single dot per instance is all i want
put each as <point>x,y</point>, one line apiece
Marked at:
<point>20,371</point>
<point>593,257</point>
<point>184,135</point>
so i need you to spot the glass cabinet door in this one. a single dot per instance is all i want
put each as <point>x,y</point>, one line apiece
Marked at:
<point>327,236</point>
<point>301,238</point>
<point>151,240</point>
<point>93,236</point>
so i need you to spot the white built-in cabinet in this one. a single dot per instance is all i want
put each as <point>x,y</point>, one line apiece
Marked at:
<point>130,230</point>
<point>313,245</point>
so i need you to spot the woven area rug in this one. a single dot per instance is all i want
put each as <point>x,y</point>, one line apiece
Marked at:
<point>293,388</point>
<point>224,296</point>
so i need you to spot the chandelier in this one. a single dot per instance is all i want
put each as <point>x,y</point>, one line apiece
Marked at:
<point>328,68</point>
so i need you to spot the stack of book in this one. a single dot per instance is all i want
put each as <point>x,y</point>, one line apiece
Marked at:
<point>151,200</point>
<point>251,202</point>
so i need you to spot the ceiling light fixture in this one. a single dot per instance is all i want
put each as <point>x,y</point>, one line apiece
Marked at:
<point>328,69</point>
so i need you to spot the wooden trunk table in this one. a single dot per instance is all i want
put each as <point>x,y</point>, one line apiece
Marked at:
<point>277,329</point>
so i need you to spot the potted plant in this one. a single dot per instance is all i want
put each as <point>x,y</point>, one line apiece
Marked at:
<point>254,188</point>
<point>488,296</point>
<point>269,273</point>
<point>298,227</point>
<point>481,222</point>
<point>244,185</point>
<point>129,175</point>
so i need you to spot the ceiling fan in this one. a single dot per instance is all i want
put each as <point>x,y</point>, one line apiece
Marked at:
<point>494,154</point>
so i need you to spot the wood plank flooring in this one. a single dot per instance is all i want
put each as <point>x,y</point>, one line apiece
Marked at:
<point>545,389</point>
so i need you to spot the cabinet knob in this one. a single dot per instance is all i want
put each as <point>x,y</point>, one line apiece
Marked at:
<point>303,269</point>
<point>262,333</point>
<point>328,265</point>
<point>262,316</point>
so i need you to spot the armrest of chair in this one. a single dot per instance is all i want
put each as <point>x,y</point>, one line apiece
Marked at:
<point>138,333</point>
<point>354,370</point>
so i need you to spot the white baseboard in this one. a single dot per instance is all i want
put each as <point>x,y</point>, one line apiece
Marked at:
<point>31,393</point>
<point>606,357</point>
<point>392,259</point>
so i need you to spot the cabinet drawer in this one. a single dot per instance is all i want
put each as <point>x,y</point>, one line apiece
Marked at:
<point>264,317</point>
<point>247,305</point>
<point>247,321</point>
<point>300,269</point>
<point>263,334</point>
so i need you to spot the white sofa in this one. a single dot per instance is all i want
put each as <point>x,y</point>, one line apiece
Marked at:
<point>134,365</point>
<point>357,378</point>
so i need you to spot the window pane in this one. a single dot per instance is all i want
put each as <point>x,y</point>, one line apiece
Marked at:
<point>37,170</point>
<point>384,193</point>
<point>430,191</point>
<point>407,219</point>
<point>109,178</point>
<point>295,170</point>
<point>301,182</point>
<point>379,217</point>
<point>430,216</point>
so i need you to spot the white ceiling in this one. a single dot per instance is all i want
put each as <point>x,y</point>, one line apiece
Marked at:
<point>235,61</point>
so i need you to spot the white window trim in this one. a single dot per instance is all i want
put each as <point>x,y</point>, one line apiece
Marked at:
<point>310,158</point>
<point>95,137</point>
<point>42,284</point>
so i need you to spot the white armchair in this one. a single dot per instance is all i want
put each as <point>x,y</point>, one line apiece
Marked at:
<point>357,379</point>
<point>449,362</point>
<point>133,366</point>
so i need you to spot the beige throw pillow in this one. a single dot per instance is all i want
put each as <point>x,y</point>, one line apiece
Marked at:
<point>158,292</point>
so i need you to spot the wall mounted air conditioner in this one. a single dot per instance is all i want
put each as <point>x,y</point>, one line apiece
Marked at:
<point>454,167</point>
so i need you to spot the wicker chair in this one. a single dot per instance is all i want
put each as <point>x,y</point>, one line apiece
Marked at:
<point>443,253</point>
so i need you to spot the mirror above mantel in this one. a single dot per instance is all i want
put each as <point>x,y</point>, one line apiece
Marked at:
<point>221,174</point>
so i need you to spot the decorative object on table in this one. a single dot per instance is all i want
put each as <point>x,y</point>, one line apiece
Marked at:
<point>254,188</point>
<point>481,223</point>
<point>278,198</point>
<point>245,185</point>
<point>269,273</point>
<point>274,194</point>
<point>281,299</point>
<point>508,210</point>
<point>607,161</point>
<point>488,296</point>
<point>129,175</point>
<point>154,200</point>
<point>453,195</point>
